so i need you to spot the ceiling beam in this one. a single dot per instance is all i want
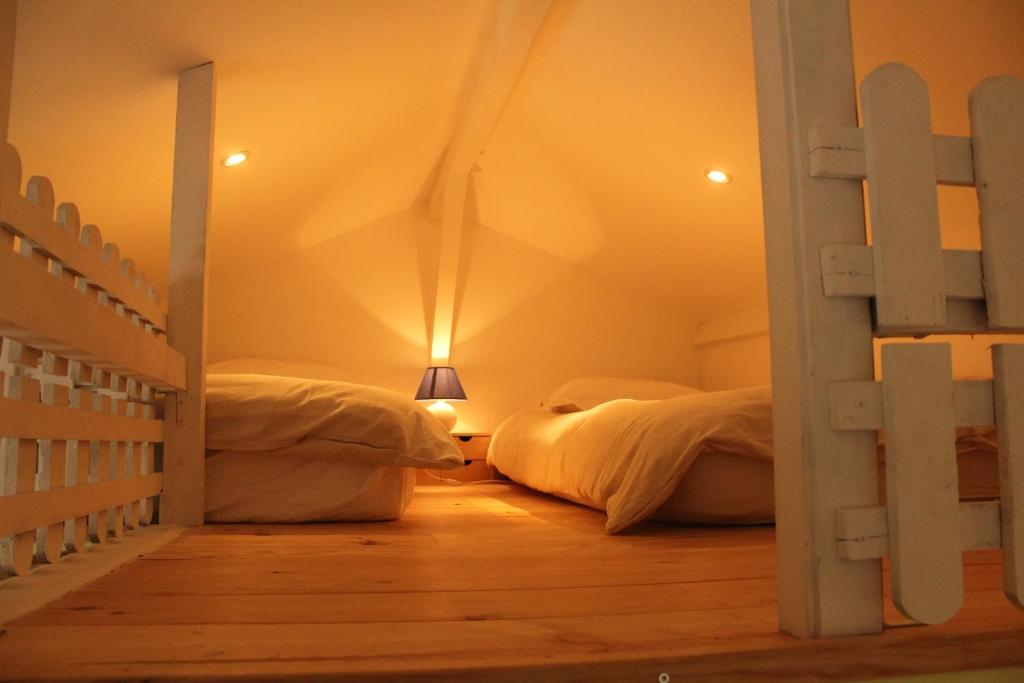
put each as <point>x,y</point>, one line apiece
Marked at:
<point>516,25</point>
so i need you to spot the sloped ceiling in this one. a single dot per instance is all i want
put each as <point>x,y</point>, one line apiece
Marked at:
<point>348,105</point>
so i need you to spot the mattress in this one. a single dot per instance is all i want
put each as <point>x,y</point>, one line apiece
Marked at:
<point>274,487</point>
<point>720,488</point>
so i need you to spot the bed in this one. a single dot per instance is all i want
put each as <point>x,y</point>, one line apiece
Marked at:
<point>663,451</point>
<point>290,442</point>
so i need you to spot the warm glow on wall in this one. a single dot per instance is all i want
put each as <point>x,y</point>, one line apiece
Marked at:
<point>719,176</point>
<point>235,158</point>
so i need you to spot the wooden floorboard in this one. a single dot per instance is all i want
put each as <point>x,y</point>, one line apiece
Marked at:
<point>477,583</point>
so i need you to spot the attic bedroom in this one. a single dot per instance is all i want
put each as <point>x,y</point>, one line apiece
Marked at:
<point>512,340</point>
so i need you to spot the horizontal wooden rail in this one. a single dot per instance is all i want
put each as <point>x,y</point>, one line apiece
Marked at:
<point>62,242</point>
<point>848,271</point>
<point>838,152</point>
<point>25,512</point>
<point>863,533</point>
<point>859,405</point>
<point>47,314</point>
<point>23,419</point>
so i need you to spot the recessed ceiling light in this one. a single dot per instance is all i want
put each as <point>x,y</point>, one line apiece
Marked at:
<point>719,176</point>
<point>235,158</point>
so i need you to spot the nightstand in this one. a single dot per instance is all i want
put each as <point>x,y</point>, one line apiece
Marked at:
<point>474,453</point>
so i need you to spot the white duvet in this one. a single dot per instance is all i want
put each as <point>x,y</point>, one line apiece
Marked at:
<point>625,456</point>
<point>354,422</point>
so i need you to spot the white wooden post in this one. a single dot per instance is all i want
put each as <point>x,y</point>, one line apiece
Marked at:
<point>8,19</point>
<point>804,74</point>
<point>185,414</point>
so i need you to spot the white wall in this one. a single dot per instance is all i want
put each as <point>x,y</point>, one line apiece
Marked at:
<point>526,320</point>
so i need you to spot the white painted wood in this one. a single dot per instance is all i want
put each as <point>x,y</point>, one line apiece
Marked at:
<point>18,463</point>
<point>859,405</point>
<point>838,152</point>
<point>50,582</point>
<point>8,21</point>
<point>899,158</point>
<point>804,74</point>
<point>517,23</point>
<point>863,533</point>
<point>51,474</point>
<point>33,509</point>
<point>921,481</point>
<point>849,270</point>
<point>37,421</point>
<point>185,412</point>
<point>1008,371</point>
<point>997,132</point>
<point>49,315</point>
<point>76,529</point>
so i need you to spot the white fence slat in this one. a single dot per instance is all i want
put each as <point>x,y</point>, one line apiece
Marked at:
<point>921,481</point>
<point>1008,382</point>
<point>76,529</point>
<point>997,132</point>
<point>900,161</point>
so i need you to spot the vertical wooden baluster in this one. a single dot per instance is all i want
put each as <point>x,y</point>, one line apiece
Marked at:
<point>146,453</point>
<point>52,461</point>
<point>133,462</point>
<point>115,515</point>
<point>76,531</point>
<point>997,143</point>
<point>1008,387</point>
<point>18,473</point>
<point>899,154</point>
<point>99,459</point>
<point>921,481</point>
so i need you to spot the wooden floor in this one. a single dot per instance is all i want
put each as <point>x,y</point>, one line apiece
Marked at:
<point>487,581</point>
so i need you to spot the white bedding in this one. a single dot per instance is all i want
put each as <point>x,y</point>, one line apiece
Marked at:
<point>249,412</point>
<point>628,457</point>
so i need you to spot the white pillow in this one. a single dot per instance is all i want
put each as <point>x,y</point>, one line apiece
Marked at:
<point>277,368</point>
<point>583,393</point>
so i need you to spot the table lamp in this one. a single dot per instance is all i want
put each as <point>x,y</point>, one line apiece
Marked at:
<point>441,384</point>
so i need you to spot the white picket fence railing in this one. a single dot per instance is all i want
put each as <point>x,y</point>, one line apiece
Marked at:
<point>919,289</point>
<point>84,354</point>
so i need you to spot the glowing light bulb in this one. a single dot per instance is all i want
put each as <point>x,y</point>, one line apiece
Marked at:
<point>235,159</point>
<point>717,176</point>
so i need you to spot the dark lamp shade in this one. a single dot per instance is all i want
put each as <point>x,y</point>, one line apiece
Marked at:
<point>440,383</point>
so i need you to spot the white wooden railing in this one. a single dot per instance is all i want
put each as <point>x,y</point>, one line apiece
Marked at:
<point>84,359</point>
<point>919,289</point>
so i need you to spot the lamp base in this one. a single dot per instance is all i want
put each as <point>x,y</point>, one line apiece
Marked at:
<point>444,412</point>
